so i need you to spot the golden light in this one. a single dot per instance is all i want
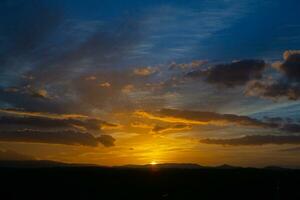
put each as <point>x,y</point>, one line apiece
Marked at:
<point>153,162</point>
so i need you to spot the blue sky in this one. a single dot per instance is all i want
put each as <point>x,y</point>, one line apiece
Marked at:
<point>208,29</point>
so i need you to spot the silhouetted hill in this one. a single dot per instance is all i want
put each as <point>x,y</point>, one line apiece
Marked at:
<point>167,166</point>
<point>38,164</point>
<point>54,180</point>
<point>227,167</point>
<point>275,168</point>
<point>50,163</point>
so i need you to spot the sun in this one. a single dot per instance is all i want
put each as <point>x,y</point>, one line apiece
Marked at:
<point>153,162</point>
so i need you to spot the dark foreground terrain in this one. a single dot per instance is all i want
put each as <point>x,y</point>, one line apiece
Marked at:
<point>90,182</point>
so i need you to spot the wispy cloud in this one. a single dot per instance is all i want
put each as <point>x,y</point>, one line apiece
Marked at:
<point>255,140</point>
<point>21,126</point>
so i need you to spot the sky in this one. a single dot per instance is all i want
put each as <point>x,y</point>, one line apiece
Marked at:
<point>117,82</point>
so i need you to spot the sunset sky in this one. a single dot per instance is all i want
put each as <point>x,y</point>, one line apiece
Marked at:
<point>114,82</point>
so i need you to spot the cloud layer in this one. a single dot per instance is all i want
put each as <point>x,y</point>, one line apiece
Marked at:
<point>255,140</point>
<point>287,85</point>
<point>202,118</point>
<point>66,137</point>
<point>12,155</point>
<point>232,74</point>
<point>20,126</point>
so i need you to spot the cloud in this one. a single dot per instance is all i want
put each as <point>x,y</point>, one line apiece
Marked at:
<point>141,125</point>
<point>91,78</point>
<point>32,100</point>
<point>291,65</point>
<point>286,86</point>
<point>105,84</point>
<point>232,74</point>
<point>184,66</point>
<point>104,47</point>
<point>65,137</point>
<point>163,129</point>
<point>288,54</point>
<point>21,126</point>
<point>168,118</point>
<point>255,140</point>
<point>128,89</point>
<point>41,93</point>
<point>201,118</point>
<point>45,120</point>
<point>144,71</point>
<point>58,52</point>
<point>290,127</point>
<point>295,149</point>
<point>109,92</point>
<point>21,112</point>
<point>12,155</point>
<point>28,90</point>
<point>186,119</point>
<point>273,89</point>
<point>275,119</point>
<point>106,140</point>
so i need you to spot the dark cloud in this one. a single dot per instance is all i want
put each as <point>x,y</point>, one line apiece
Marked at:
<point>274,119</point>
<point>255,140</point>
<point>106,140</point>
<point>12,155</point>
<point>30,101</point>
<point>21,126</point>
<point>290,127</point>
<point>46,122</point>
<point>291,65</point>
<point>286,86</point>
<point>185,119</point>
<point>185,66</point>
<point>278,120</point>
<point>232,74</point>
<point>203,116</point>
<point>273,89</point>
<point>66,137</point>
<point>177,127</point>
<point>295,149</point>
<point>93,94</point>
<point>28,91</point>
<point>56,52</point>
<point>158,128</point>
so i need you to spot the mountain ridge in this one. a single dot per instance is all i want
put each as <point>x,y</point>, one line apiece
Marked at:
<point>50,163</point>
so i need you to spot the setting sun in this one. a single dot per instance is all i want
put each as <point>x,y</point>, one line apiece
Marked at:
<point>153,163</point>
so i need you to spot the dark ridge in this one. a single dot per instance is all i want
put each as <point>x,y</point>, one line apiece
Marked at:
<point>54,180</point>
<point>225,166</point>
<point>51,164</point>
<point>166,166</point>
<point>39,164</point>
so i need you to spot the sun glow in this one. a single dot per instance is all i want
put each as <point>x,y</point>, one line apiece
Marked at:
<point>153,162</point>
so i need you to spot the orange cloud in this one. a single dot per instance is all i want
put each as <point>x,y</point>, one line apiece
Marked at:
<point>91,78</point>
<point>141,125</point>
<point>105,84</point>
<point>144,71</point>
<point>202,118</point>
<point>42,114</point>
<point>163,129</point>
<point>128,88</point>
<point>169,119</point>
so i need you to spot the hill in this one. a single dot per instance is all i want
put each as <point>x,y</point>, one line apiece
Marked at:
<point>52,180</point>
